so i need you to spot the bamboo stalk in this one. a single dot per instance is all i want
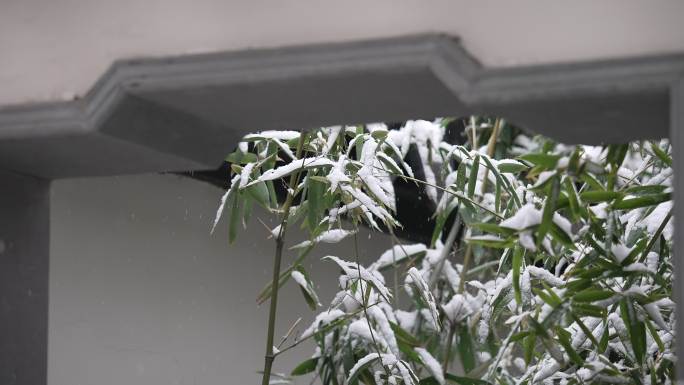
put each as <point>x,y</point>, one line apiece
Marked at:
<point>270,355</point>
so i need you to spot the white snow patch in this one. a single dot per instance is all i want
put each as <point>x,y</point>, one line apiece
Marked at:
<point>292,166</point>
<point>330,236</point>
<point>620,252</point>
<point>397,254</point>
<point>321,320</point>
<point>432,365</point>
<point>544,275</point>
<point>273,134</point>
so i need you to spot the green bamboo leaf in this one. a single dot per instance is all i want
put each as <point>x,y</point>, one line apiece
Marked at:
<point>544,296</point>
<point>379,134</point>
<point>497,197</point>
<point>549,208</point>
<point>234,218</point>
<point>502,182</point>
<point>586,330</point>
<point>546,161</point>
<point>528,347</point>
<point>654,334</point>
<point>354,375</point>
<point>539,330</point>
<point>472,178</point>
<point>635,329</point>
<point>552,293</point>
<point>305,286</point>
<point>358,143</point>
<point>492,228</point>
<point>319,179</point>
<point>564,339</point>
<point>490,241</point>
<point>559,235</point>
<point>236,168</point>
<point>591,295</point>
<point>461,177</point>
<point>645,190</point>
<point>596,196</point>
<point>465,348</point>
<point>605,337</point>
<point>271,156</point>
<point>272,197</point>
<point>403,335</point>
<point>408,352</point>
<point>642,201</point>
<point>315,191</point>
<point>238,157</point>
<point>305,367</point>
<point>574,162</point>
<point>591,181</point>
<point>442,217</point>
<point>517,265</point>
<point>247,204</point>
<point>511,167</point>
<point>577,284</point>
<point>573,198</point>
<point>616,154</point>
<point>587,310</point>
<point>389,164</point>
<point>662,155</point>
<point>428,381</point>
<point>519,336</point>
<point>259,192</point>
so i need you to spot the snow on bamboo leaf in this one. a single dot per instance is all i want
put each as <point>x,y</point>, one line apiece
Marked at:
<point>334,133</point>
<point>224,198</point>
<point>307,287</point>
<point>245,174</point>
<point>369,204</point>
<point>384,328</point>
<point>545,275</point>
<point>417,281</point>
<point>385,360</point>
<point>397,254</point>
<point>287,169</point>
<point>281,135</point>
<point>330,236</point>
<point>321,320</point>
<point>432,365</point>
<point>528,216</point>
<point>337,174</point>
<point>355,271</point>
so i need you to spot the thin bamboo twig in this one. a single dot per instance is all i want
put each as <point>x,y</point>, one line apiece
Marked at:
<point>299,341</point>
<point>464,269</point>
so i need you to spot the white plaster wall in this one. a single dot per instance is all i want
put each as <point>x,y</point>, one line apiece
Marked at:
<point>141,294</point>
<point>56,49</point>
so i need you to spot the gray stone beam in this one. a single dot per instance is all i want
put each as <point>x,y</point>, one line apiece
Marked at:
<point>185,113</point>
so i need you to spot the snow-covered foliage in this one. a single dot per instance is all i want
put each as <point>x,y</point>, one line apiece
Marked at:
<point>549,264</point>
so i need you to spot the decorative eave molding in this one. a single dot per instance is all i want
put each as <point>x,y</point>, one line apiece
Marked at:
<point>185,113</point>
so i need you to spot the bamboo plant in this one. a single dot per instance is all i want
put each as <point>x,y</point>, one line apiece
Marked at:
<point>548,264</point>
